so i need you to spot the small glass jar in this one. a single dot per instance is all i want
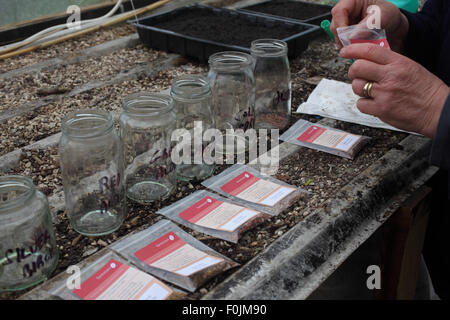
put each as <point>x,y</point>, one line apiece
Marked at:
<point>273,84</point>
<point>146,126</point>
<point>92,172</point>
<point>28,251</point>
<point>192,100</point>
<point>233,90</point>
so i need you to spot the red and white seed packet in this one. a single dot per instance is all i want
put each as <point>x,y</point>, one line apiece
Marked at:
<point>261,192</point>
<point>326,139</point>
<point>214,215</point>
<point>360,33</point>
<point>169,253</point>
<point>111,278</point>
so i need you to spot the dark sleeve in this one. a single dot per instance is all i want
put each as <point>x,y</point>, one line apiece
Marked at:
<point>423,40</point>
<point>440,150</point>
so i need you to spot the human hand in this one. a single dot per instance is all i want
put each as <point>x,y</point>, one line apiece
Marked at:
<point>350,12</point>
<point>405,94</point>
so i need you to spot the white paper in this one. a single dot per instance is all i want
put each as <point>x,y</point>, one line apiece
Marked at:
<point>155,292</point>
<point>347,142</point>
<point>239,220</point>
<point>199,265</point>
<point>278,195</point>
<point>336,100</point>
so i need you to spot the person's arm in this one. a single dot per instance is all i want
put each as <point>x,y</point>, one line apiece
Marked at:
<point>425,29</point>
<point>440,150</point>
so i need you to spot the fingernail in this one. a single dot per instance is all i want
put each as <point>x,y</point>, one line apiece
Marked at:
<point>341,53</point>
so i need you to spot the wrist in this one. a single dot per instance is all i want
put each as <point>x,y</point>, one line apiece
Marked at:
<point>401,34</point>
<point>436,104</point>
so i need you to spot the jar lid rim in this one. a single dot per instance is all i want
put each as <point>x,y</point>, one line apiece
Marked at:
<point>76,116</point>
<point>268,47</point>
<point>147,103</point>
<point>230,59</point>
<point>190,86</point>
<point>16,180</point>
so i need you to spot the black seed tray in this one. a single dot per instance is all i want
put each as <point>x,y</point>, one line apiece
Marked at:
<point>298,34</point>
<point>299,10</point>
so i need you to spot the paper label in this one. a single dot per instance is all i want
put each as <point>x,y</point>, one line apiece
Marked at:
<point>381,42</point>
<point>118,281</point>
<point>329,138</point>
<point>215,214</point>
<point>172,254</point>
<point>250,188</point>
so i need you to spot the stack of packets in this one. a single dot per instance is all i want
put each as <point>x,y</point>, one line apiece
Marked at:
<point>325,139</point>
<point>167,252</point>
<point>249,199</point>
<point>110,277</point>
<point>133,265</point>
<point>214,215</point>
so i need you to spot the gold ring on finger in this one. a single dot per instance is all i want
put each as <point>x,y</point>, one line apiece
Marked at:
<point>367,90</point>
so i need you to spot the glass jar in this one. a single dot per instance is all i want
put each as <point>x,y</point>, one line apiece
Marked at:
<point>273,84</point>
<point>192,100</point>
<point>92,172</point>
<point>146,126</point>
<point>233,90</point>
<point>28,252</point>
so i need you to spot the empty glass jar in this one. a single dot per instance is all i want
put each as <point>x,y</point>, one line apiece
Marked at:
<point>192,99</point>
<point>92,172</point>
<point>146,126</point>
<point>233,90</point>
<point>28,252</point>
<point>273,84</point>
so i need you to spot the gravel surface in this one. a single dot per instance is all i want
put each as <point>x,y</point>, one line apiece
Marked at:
<point>21,131</point>
<point>67,48</point>
<point>322,174</point>
<point>65,78</point>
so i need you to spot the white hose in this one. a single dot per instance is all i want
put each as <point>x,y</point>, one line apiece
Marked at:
<point>57,30</point>
<point>65,32</point>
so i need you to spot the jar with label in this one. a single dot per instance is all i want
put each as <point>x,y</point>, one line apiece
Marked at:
<point>92,172</point>
<point>233,90</point>
<point>273,84</point>
<point>192,100</point>
<point>146,126</point>
<point>28,251</point>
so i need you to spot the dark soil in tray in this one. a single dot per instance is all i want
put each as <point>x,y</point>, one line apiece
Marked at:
<point>228,29</point>
<point>290,9</point>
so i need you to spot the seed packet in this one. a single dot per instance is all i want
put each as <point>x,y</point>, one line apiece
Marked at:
<point>261,192</point>
<point>214,215</point>
<point>112,278</point>
<point>173,255</point>
<point>326,139</point>
<point>360,33</point>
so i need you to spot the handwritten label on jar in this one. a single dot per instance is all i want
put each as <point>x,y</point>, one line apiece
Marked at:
<point>173,254</point>
<point>161,171</point>
<point>215,214</point>
<point>24,254</point>
<point>282,96</point>
<point>245,120</point>
<point>118,281</point>
<point>250,188</point>
<point>109,192</point>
